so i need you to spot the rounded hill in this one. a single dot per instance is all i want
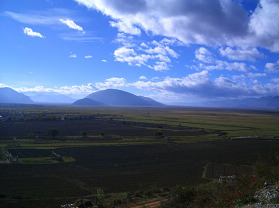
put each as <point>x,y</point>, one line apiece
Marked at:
<point>113,97</point>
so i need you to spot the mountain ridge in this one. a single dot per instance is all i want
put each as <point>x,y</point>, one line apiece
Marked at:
<point>52,98</point>
<point>88,102</point>
<point>114,97</point>
<point>8,95</point>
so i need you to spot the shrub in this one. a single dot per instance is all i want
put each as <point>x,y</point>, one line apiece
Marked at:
<point>53,132</point>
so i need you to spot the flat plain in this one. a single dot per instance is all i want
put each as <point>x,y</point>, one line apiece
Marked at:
<point>122,149</point>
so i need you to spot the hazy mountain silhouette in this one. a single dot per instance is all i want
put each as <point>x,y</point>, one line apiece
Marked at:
<point>52,98</point>
<point>88,102</point>
<point>114,97</point>
<point>8,95</point>
<point>268,102</point>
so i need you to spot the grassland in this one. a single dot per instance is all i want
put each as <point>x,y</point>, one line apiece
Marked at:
<point>124,149</point>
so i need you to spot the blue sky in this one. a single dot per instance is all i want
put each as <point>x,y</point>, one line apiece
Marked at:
<point>175,51</point>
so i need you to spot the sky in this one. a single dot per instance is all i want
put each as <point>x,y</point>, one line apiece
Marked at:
<point>174,51</point>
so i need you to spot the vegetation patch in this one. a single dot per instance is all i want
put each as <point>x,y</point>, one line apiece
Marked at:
<point>45,160</point>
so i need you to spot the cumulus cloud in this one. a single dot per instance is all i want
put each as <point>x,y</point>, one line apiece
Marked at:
<point>235,66</point>
<point>160,49</point>
<point>30,32</point>
<point>255,75</point>
<point>241,76</point>
<point>71,24</point>
<point>113,82</point>
<point>204,55</point>
<point>272,67</point>
<point>276,80</point>
<point>159,66</point>
<point>155,55</point>
<point>209,62</point>
<point>73,90</point>
<point>129,55</point>
<point>241,54</point>
<point>197,84</point>
<point>263,24</point>
<point>126,27</point>
<point>88,57</point>
<point>142,77</point>
<point>200,85</point>
<point>218,22</point>
<point>105,61</point>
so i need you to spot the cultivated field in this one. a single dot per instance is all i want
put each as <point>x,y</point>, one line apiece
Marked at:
<point>122,150</point>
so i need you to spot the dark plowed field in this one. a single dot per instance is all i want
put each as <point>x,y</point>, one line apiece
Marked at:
<point>122,168</point>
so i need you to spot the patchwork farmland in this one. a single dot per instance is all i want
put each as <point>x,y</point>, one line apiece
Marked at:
<point>124,150</point>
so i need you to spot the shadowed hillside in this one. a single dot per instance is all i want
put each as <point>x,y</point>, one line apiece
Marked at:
<point>8,95</point>
<point>114,97</point>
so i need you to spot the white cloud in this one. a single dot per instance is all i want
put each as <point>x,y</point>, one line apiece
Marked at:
<point>142,77</point>
<point>129,55</point>
<point>241,76</point>
<point>204,55</point>
<point>156,57</point>
<point>73,56</point>
<point>74,90</point>
<point>218,22</point>
<point>264,26</point>
<point>2,85</point>
<point>88,56</point>
<point>201,86</point>
<point>105,61</point>
<point>276,80</point>
<point>30,32</point>
<point>272,67</point>
<point>255,75</point>
<point>71,24</point>
<point>113,82</point>
<point>241,54</point>
<point>198,85</point>
<point>159,66</point>
<point>161,50</point>
<point>126,27</point>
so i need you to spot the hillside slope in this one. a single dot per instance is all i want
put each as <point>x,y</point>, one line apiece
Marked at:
<point>114,97</point>
<point>8,95</point>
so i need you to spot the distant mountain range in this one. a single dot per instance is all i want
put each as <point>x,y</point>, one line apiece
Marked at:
<point>8,95</point>
<point>88,102</point>
<point>52,98</point>
<point>113,97</point>
<point>268,102</point>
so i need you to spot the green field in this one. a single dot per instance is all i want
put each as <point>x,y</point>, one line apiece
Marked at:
<point>123,150</point>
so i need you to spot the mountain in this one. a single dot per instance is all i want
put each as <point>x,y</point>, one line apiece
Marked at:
<point>151,101</point>
<point>114,97</point>
<point>52,98</point>
<point>268,102</point>
<point>88,102</point>
<point>8,95</point>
